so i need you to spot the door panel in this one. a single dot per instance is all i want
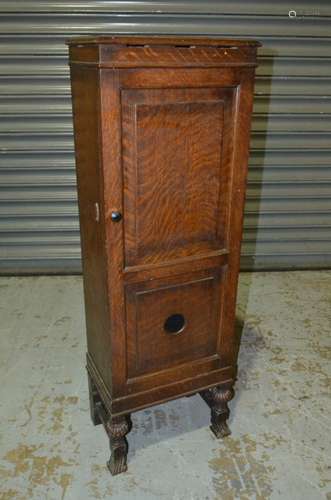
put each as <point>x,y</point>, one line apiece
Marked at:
<point>176,171</point>
<point>171,322</point>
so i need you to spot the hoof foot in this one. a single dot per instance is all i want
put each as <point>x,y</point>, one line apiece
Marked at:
<point>220,430</point>
<point>117,466</point>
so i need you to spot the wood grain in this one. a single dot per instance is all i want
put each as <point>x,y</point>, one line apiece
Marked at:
<point>173,157</point>
<point>150,348</point>
<point>85,90</point>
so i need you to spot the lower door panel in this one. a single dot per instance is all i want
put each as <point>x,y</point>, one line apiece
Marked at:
<point>172,327</point>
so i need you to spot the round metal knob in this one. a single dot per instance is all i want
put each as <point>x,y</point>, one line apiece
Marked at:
<point>116,216</point>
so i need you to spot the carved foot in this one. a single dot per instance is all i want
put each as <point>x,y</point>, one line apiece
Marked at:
<point>117,428</point>
<point>95,401</point>
<point>217,399</point>
<point>219,427</point>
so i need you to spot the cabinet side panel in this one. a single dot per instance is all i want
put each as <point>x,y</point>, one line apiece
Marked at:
<point>85,96</point>
<point>229,341</point>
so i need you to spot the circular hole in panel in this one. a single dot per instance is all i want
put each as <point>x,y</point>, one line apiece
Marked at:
<point>174,324</point>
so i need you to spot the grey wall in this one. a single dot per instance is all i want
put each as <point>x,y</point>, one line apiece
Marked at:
<point>288,209</point>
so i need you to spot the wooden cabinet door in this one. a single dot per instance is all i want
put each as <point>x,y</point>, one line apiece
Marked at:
<point>175,147</point>
<point>176,168</point>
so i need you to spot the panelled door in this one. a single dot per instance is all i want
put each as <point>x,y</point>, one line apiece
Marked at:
<point>177,163</point>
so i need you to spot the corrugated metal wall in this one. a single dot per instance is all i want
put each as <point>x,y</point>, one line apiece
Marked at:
<point>288,209</point>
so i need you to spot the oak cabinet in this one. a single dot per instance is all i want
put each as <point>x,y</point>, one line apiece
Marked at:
<point>162,129</point>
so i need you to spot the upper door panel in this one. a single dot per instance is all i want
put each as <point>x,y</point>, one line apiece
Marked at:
<point>176,172</point>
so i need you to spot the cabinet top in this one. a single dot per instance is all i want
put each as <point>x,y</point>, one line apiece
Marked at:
<point>170,41</point>
<point>115,51</point>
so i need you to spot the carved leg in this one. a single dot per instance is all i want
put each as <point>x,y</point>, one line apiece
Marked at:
<point>117,428</point>
<point>95,401</point>
<point>217,399</point>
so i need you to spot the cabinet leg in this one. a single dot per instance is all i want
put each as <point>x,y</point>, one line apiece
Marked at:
<point>95,401</point>
<point>117,428</point>
<point>217,399</point>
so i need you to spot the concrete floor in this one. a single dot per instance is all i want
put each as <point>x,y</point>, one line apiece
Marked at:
<point>280,421</point>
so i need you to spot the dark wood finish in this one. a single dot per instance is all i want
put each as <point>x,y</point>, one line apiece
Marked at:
<point>161,137</point>
<point>217,399</point>
<point>116,428</point>
<point>95,401</point>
